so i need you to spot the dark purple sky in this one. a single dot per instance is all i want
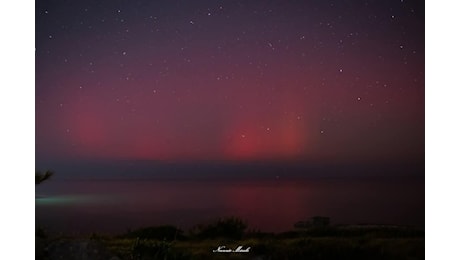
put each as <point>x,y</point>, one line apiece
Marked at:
<point>322,81</point>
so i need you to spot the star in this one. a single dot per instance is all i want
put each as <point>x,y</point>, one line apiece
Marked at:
<point>245,70</point>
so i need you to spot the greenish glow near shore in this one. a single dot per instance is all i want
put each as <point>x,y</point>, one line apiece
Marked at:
<point>56,200</point>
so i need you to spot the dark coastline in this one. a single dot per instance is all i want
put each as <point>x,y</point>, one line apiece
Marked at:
<point>201,242</point>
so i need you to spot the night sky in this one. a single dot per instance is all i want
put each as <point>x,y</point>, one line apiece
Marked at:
<point>316,81</point>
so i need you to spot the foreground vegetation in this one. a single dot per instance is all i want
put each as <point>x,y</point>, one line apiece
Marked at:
<point>337,242</point>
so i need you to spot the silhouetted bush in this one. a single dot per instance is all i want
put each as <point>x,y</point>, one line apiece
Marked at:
<point>231,228</point>
<point>258,234</point>
<point>40,232</point>
<point>152,250</point>
<point>168,233</point>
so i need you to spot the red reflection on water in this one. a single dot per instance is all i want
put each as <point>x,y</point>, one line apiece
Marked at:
<point>271,206</point>
<point>268,207</point>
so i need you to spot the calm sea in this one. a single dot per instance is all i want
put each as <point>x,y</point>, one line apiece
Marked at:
<point>114,206</point>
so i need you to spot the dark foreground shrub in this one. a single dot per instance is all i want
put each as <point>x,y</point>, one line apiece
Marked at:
<point>231,228</point>
<point>168,233</point>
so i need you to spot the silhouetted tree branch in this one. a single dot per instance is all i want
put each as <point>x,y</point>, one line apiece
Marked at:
<point>40,177</point>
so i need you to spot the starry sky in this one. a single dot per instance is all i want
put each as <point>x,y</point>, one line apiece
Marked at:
<point>317,81</point>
